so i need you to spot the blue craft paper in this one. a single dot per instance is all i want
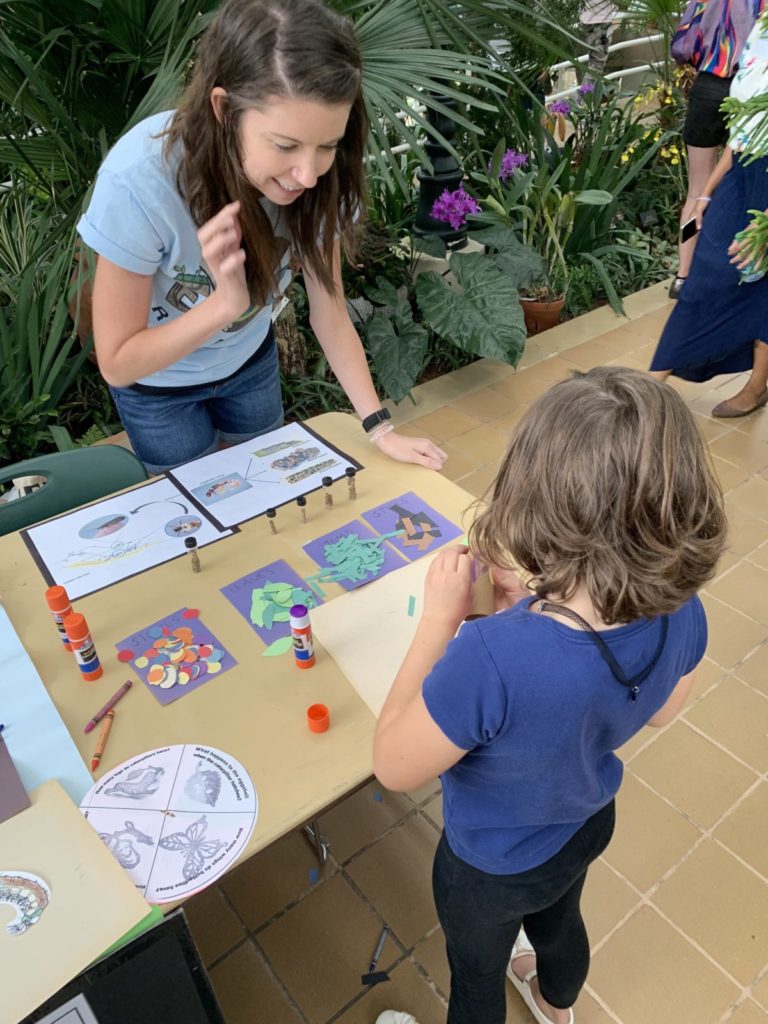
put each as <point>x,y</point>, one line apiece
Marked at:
<point>36,737</point>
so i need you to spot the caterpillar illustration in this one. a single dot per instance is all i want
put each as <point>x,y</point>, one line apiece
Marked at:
<point>28,894</point>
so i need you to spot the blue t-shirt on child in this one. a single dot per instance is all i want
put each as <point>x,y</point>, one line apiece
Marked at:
<point>138,220</point>
<point>540,713</point>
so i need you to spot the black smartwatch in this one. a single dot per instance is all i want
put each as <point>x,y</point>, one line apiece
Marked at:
<point>380,416</point>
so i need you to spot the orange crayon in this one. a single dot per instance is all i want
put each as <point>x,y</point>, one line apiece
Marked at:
<point>103,735</point>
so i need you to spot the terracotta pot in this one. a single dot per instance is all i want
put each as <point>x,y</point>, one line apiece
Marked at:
<point>540,316</point>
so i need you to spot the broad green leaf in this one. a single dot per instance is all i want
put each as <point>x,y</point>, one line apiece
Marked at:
<point>383,292</point>
<point>594,197</point>
<point>483,317</point>
<point>430,245</point>
<point>397,346</point>
<point>519,262</point>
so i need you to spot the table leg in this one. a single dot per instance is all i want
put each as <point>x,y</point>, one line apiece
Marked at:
<point>312,831</point>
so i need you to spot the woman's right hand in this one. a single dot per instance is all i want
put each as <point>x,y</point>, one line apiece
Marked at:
<point>220,239</point>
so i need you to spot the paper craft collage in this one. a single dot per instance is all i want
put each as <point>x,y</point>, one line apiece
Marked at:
<point>175,655</point>
<point>355,554</point>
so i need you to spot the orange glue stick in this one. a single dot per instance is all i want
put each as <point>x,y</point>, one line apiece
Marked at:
<point>58,603</point>
<point>82,646</point>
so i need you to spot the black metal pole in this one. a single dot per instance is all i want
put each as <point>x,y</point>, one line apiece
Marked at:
<point>446,174</point>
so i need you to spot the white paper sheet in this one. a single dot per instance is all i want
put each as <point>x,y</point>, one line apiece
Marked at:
<point>241,482</point>
<point>119,537</point>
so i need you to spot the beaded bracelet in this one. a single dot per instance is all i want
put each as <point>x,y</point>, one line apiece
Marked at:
<point>379,432</point>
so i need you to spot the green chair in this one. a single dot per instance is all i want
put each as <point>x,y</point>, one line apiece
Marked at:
<point>72,478</point>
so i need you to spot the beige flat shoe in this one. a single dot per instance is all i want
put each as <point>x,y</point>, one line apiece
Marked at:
<point>725,411</point>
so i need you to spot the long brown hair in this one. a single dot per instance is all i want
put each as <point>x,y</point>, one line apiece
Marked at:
<point>606,482</point>
<point>257,50</point>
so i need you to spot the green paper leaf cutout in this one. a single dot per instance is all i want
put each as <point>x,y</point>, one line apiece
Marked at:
<point>258,606</point>
<point>282,645</point>
<point>269,616</point>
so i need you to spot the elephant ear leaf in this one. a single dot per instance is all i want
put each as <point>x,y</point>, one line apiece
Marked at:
<point>482,316</point>
<point>398,346</point>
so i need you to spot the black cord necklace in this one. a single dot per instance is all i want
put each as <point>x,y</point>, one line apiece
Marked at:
<point>617,671</point>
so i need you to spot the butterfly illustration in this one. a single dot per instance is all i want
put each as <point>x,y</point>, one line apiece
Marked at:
<point>195,847</point>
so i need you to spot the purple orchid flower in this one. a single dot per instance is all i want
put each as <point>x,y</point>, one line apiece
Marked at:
<point>586,87</point>
<point>560,107</point>
<point>453,207</point>
<point>510,163</point>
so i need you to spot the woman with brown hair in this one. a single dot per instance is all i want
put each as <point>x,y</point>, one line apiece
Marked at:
<point>198,216</point>
<point>605,498</point>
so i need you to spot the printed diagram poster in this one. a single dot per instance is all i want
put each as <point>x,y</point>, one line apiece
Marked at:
<point>417,528</point>
<point>175,818</point>
<point>264,599</point>
<point>351,556</point>
<point>104,543</point>
<point>175,655</point>
<point>242,482</point>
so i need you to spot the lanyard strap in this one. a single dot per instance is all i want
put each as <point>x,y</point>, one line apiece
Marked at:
<point>617,671</point>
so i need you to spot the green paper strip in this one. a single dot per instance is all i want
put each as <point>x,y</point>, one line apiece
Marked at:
<point>411,605</point>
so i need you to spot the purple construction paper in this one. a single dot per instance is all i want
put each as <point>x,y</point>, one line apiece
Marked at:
<point>431,529</point>
<point>316,551</point>
<point>240,593</point>
<point>141,642</point>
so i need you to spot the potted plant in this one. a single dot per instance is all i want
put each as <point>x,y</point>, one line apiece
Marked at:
<point>542,216</point>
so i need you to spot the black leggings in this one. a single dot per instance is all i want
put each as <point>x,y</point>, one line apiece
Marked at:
<point>481,915</point>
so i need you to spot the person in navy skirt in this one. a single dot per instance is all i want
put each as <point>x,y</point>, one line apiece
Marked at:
<point>721,319</point>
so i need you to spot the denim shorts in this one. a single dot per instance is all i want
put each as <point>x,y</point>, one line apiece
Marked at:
<point>170,426</point>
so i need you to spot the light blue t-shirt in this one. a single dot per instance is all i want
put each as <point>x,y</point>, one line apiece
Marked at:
<point>539,712</point>
<point>137,219</point>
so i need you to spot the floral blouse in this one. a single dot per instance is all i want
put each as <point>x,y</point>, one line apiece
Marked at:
<point>751,80</point>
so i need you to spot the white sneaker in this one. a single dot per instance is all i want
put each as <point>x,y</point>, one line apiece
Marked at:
<point>396,1017</point>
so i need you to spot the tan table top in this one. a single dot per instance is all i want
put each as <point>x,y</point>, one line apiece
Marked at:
<point>257,710</point>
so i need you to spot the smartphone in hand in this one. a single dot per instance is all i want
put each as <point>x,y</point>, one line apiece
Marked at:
<point>688,230</point>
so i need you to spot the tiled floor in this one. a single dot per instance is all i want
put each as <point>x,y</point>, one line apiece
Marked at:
<point>677,908</point>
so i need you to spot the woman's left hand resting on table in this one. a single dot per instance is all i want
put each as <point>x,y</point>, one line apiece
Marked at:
<point>419,450</point>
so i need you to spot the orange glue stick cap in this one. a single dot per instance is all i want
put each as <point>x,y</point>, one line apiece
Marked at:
<point>318,718</point>
<point>57,599</point>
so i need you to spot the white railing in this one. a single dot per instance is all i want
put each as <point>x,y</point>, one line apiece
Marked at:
<point>622,73</point>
